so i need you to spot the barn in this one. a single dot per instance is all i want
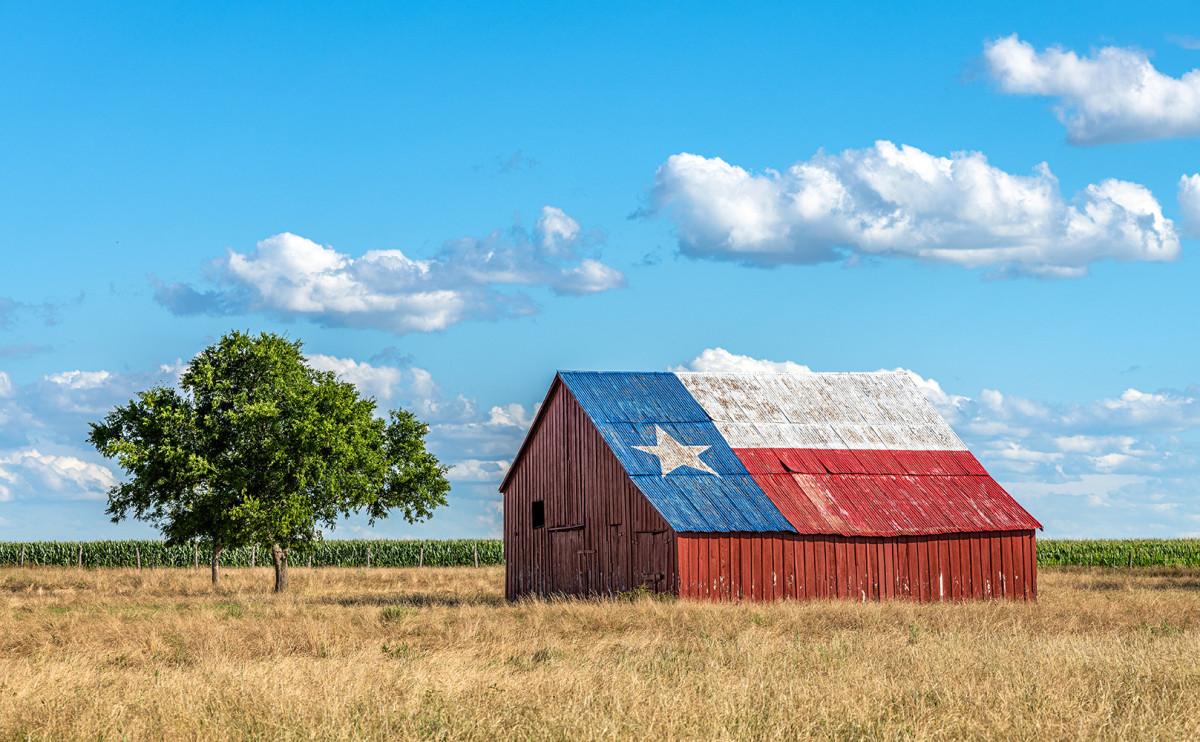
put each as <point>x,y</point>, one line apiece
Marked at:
<point>725,486</point>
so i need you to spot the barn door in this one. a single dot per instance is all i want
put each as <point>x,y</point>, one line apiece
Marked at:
<point>652,559</point>
<point>567,567</point>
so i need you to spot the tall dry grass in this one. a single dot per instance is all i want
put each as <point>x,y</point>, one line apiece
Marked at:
<point>438,654</point>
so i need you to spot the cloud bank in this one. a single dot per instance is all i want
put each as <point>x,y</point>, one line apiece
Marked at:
<point>44,456</point>
<point>1116,95</point>
<point>289,276</point>
<point>902,202</point>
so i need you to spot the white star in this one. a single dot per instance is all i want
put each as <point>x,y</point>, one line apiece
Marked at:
<point>672,454</point>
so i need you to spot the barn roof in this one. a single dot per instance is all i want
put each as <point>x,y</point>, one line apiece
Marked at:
<point>855,454</point>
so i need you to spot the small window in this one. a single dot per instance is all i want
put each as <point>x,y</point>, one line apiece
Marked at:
<point>539,513</point>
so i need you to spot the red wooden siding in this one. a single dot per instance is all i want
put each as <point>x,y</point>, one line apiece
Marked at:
<point>601,534</point>
<point>772,566</point>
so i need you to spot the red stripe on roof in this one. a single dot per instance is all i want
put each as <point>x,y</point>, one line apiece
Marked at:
<point>883,493</point>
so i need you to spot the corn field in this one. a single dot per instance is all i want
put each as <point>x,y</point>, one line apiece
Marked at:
<point>1124,553</point>
<point>458,553</point>
<point>451,553</point>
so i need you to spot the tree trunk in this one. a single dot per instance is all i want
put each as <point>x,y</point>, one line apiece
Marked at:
<point>279,556</point>
<point>216,564</point>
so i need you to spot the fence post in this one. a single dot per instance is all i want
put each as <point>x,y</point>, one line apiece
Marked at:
<point>195,556</point>
<point>21,561</point>
<point>138,553</point>
<point>79,558</point>
<point>368,556</point>
<point>477,558</point>
<point>420,556</point>
<point>310,561</point>
<point>253,555</point>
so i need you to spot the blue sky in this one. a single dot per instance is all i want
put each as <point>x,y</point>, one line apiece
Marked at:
<point>447,204</point>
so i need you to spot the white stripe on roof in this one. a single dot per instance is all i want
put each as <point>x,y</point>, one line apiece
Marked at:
<point>881,410</point>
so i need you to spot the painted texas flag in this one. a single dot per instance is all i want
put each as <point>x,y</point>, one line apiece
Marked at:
<point>855,454</point>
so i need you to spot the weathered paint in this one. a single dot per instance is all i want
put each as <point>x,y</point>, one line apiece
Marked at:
<point>849,506</point>
<point>601,535</point>
<point>784,566</point>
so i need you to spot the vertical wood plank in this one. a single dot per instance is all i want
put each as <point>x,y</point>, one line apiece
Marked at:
<point>685,584</point>
<point>997,566</point>
<point>810,567</point>
<point>723,580</point>
<point>861,570</point>
<point>841,561</point>
<point>887,578</point>
<point>756,567</point>
<point>778,568</point>
<point>745,563</point>
<point>789,567</point>
<point>1011,583</point>
<point>922,590</point>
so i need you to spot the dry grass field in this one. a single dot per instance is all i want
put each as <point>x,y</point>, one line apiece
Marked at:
<point>438,654</point>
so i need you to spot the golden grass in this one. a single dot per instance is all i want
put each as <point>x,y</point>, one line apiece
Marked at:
<point>437,653</point>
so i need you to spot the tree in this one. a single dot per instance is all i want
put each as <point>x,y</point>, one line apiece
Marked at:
<point>262,449</point>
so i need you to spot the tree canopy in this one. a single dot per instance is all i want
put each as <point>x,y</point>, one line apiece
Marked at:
<point>260,448</point>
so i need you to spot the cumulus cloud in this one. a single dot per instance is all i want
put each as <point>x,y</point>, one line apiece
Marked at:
<point>902,202</point>
<point>477,444</point>
<point>64,476</point>
<point>1120,452</point>
<point>377,381</point>
<point>289,276</point>
<point>715,360</point>
<point>1189,204</point>
<point>557,230</point>
<point>1116,95</point>
<point>476,470</point>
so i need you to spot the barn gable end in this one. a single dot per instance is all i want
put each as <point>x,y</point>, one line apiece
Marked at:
<point>600,535</point>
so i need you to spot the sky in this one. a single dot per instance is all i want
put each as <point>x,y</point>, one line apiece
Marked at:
<point>448,203</point>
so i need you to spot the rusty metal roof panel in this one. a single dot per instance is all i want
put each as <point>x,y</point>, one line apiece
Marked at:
<point>851,454</point>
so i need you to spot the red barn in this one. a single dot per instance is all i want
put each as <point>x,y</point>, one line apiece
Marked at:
<point>757,486</point>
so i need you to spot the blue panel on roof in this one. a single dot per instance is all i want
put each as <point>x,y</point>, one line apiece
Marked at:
<point>720,504</point>
<point>629,409</point>
<point>633,397</point>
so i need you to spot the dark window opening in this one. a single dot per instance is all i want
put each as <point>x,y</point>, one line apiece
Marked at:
<point>539,513</point>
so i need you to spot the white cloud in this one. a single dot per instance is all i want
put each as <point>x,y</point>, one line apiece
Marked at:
<point>79,379</point>
<point>62,475</point>
<point>946,404</point>
<point>6,385</point>
<point>721,360</point>
<point>477,470</point>
<point>899,201</point>
<point>556,229</point>
<point>1135,434</point>
<point>1116,95</point>
<point>1189,204</point>
<point>377,381</point>
<point>290,276</point>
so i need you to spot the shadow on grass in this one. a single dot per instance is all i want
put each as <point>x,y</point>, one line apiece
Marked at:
<point>416,600</point>
<point>1163,583</point>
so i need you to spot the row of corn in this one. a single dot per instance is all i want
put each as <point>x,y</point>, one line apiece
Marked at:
<point>468,552</point>
<point>1122,553</point>
<point>455,553</point>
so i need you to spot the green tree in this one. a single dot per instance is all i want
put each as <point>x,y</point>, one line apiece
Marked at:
<point>262,449</point>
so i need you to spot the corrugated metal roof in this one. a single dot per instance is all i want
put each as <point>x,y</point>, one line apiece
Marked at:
<point>845,453</point>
